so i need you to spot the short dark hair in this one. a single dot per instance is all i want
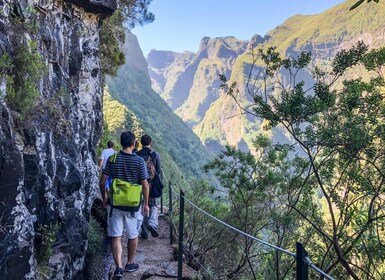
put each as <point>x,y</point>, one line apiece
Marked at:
<point>145,140</point>
<point>127,139</point>
<point>110,144</point>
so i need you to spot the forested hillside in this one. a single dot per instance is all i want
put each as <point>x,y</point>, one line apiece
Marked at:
<point>213,115</point>
<point>181,151</point>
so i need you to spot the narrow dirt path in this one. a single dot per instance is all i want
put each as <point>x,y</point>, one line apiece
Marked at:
<point>155,257</point>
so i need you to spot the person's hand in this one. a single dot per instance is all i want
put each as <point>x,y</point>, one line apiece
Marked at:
<point>146,210</point>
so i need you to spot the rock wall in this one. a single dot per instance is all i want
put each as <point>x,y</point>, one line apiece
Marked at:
<point>48,176</point>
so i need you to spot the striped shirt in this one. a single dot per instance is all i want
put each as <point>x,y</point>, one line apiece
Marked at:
<point>127,167</point>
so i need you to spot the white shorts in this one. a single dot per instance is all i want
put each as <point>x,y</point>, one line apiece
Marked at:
<point>123,219</point>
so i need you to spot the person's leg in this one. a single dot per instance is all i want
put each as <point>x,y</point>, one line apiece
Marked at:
<point>116,243</point>
<point>115,231</point>
<point>153,219</point>
<point>132,244</point>
<point>144,229</point>
<point>133,226</point>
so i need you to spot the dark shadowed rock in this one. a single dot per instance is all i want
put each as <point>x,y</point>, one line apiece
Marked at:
<point>100,7</point>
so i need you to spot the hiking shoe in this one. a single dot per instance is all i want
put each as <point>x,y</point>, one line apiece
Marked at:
<point>144,232</point>
<point>153,231</point>
<point>144,235</point>
<point>131,267</point>
<point>118,274</point>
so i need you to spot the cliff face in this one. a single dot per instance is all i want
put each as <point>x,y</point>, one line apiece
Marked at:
<point>48,177</point>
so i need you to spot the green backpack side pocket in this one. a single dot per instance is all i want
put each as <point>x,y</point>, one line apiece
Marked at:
<point>123,193</point>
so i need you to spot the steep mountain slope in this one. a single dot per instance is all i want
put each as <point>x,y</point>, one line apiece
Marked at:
<point>194,84</point>
<point>181,151</point>
<point>165,69</point>
<point>216,119</point>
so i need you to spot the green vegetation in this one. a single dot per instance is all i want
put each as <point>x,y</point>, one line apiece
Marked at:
<point>45,237</point>
<point>329,195</point>
<point>23,67</point>
<point>117,118</point>
<point>323,34</point>
<point>129,14</point>
<point>22,70</point>
<point>95,238</point>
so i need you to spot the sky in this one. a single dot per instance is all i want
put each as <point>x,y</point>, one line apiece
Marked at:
<point>181,24</point>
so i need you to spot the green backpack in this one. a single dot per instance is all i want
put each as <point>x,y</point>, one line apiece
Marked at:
<point>124,195</point>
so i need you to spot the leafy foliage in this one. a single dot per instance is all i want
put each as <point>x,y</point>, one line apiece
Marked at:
<point>338,192</point>
<point>95,237</point>
<point>22,70</point>
<point>129,14</point>
<point>112,37</point>
<point>117,118</point>
<point>46,236</point>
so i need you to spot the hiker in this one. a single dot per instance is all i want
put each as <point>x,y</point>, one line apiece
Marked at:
<point>106,153</point>
<point>125,167</point>
<point>152,158</point>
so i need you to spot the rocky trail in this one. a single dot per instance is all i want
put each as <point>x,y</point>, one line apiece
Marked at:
<point>157,259</point>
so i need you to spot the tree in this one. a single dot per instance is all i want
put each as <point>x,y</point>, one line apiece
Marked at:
<point>129,14</point>
<point>338,129</point>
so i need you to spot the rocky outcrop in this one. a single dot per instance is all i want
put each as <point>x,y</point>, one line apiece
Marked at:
<point>48,177</point>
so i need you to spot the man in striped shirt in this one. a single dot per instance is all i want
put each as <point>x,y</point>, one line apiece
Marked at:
<point>131,168</point>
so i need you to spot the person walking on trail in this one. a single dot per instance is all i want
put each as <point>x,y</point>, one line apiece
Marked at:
<point>106,153</point>
<point>152,160</point>
<point>129,168</point>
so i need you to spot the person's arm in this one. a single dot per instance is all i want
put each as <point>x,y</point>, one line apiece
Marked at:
<point>145,191</point>
<point>100,162</point>
<point>102,186</point>
<point>102,183</point>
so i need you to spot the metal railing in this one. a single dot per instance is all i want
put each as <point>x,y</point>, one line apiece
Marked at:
<point>302,261</point>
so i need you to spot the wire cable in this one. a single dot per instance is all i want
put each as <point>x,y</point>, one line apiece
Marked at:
<point>312,265</point>
<point>237,230</point>
<point>306,259</point>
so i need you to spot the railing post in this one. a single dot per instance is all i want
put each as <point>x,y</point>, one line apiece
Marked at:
<point>180,243</point>
<point>301,267</point>
<point>170,211</point>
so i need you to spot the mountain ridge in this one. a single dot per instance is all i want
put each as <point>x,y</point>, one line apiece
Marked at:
<point>212,115</point>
